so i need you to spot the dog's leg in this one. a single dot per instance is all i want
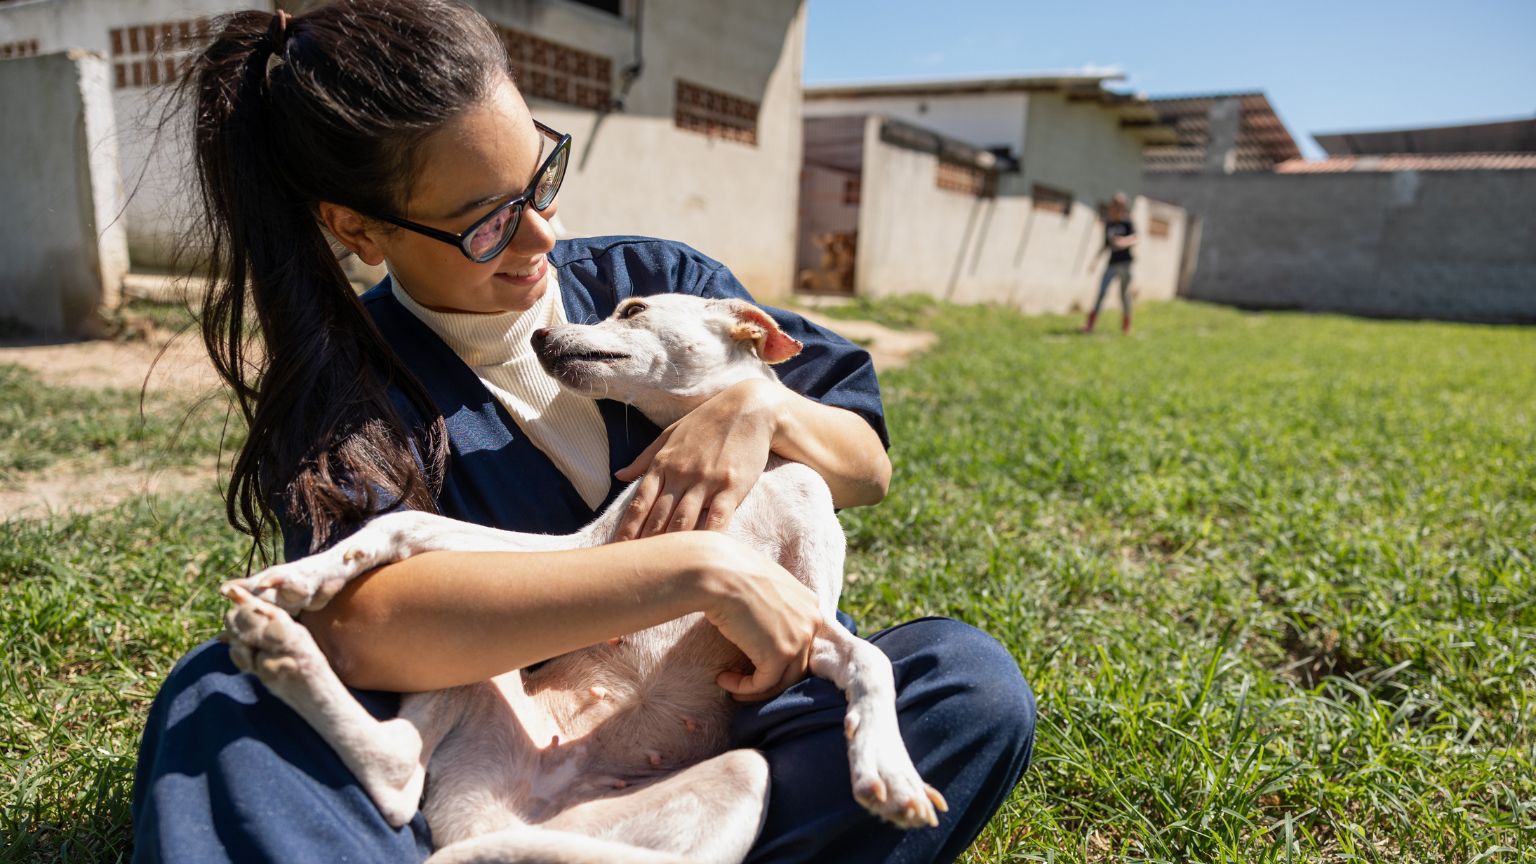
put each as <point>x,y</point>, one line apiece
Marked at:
<point>529,845</point>
<point>813,548</point>
<point>309,583</point>
<point>884,779</point>
<point>388,757</point>
<point>708,813</point>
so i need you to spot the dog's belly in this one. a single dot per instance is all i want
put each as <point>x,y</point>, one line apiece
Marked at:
<point>646,705</point>
<point>610,717</point>
<point>585,725</point>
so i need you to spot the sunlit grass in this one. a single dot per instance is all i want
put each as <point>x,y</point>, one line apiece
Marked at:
<point>1270,576</point>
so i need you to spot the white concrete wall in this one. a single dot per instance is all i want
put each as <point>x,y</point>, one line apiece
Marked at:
<point>1079,147</point>
<point>917,238</point>
<point>635,172</point>
<point>984,120</point>
<point>156,172</point>
<point>63,254</point>
<point>1155,271</point>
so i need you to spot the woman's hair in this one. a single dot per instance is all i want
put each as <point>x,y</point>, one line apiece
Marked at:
<point>332,105</point>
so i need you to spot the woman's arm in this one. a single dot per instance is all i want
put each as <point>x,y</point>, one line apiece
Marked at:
<point>442,619</point>
<point>707,462</point>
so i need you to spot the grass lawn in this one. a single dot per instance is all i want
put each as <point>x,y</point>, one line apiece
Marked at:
<point>1270,576</point>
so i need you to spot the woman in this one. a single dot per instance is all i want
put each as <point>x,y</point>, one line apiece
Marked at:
<point>393,125</point>
<point>1119,237</point>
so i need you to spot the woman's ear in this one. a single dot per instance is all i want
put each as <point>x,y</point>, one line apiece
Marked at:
<point>353,231</point>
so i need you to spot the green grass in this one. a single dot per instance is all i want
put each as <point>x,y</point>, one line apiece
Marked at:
<point>42,425</point>
<point>96,610</point>
<point>166,316</point>
<point>1270,576</point>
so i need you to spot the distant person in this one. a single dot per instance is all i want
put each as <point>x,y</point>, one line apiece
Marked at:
<point>1119,237</point>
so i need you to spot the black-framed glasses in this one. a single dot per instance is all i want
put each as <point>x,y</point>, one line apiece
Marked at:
<point>491,233</point>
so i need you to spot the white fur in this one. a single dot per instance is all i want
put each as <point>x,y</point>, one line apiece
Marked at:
<point>617,752</point>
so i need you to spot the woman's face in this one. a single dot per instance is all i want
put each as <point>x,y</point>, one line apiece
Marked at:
<point>464,171</point>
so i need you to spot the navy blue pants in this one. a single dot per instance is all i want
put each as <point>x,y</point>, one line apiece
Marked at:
<point>228,773</point>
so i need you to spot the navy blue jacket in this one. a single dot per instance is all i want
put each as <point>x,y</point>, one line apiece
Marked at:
<point>496,476</point>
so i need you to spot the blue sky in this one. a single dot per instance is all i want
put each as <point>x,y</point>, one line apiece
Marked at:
<point>1344,65</point>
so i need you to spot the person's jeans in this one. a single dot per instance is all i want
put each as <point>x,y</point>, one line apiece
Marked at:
<point>227,772</point>
<point>1118,270</point>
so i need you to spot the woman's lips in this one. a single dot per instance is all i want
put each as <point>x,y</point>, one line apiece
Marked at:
<point>529,280</point>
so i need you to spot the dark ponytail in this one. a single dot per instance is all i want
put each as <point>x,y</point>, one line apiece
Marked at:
<point>332,105</point>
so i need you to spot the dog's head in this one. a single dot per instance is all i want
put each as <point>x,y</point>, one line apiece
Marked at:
<point>666,353</point>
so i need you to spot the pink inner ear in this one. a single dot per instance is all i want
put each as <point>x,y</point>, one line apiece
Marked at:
<point>774,346</point>
<point>778,347</point>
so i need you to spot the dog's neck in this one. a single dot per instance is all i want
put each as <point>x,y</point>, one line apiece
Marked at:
<point>664,409</point>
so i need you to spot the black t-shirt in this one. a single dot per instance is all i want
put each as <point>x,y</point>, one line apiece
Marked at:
<point>1115,230</point>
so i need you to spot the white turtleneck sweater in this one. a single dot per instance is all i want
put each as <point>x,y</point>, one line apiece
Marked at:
<point>567,427</point>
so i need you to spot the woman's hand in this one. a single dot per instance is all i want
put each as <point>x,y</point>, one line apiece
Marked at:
<point>698,470</point>
<point>761,609</point>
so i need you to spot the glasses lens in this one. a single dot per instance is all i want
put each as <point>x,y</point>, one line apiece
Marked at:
<point>492,235</point>
<point>549,182</point>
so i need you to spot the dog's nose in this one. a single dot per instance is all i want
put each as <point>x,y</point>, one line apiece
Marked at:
<point>540,336</point>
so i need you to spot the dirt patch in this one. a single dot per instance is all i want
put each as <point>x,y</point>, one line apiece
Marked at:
<point>72,487</point>
<point>162,363</point>
<point>889,348</point>
<point>159,362</point>
<point>166,364</point>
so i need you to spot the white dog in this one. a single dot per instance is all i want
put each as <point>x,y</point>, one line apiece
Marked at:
<point>616,752</point>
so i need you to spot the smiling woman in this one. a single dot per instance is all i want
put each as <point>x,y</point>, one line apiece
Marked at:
<point>475,160</point>
<point>394,127</point>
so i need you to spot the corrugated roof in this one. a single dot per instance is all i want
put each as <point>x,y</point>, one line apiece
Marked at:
<point>1262,139</point>
<point>1505,136</point>
<point>1135,113</point>
<point>1412,162</point>
<point>960,85</point>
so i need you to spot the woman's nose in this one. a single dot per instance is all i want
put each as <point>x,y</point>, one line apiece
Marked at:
<point>535,234</point>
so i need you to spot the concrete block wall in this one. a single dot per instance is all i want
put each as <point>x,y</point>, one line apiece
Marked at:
<point>1451,245</point>
<point>63,249</point>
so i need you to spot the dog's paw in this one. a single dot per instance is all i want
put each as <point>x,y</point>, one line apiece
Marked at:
<point>265,640</point>
<point>306,584</point>
<point>885,781</point>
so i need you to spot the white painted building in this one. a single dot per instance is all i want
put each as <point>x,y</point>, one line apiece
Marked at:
<point>978,190</point>
<point>685,114</point>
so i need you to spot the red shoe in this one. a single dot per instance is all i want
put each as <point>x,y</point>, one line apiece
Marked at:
<point>1125,325</point>
<point>1088,328</point>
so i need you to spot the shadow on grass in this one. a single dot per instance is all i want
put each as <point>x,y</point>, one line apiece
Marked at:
<point>99,834</point>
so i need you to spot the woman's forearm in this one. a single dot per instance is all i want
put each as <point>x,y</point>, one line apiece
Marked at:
<point>442,619</point>
<point>838,443</point>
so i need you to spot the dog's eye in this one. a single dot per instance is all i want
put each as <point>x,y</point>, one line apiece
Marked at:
<point>631,310</point>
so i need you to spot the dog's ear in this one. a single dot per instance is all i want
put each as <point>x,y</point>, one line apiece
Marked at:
<point>752,323</point>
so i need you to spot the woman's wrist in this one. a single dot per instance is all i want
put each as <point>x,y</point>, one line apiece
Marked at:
<point>709,585</point>
<point>770,404</point>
